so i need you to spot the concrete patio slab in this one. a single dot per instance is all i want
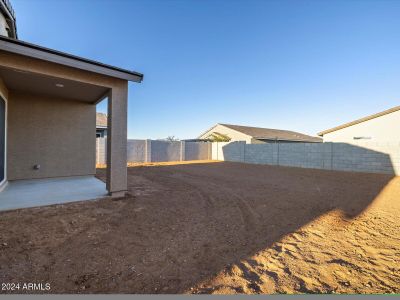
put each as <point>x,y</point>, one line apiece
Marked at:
<point>40,192</point>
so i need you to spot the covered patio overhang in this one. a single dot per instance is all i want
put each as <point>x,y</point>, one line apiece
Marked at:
<point>50,111</point>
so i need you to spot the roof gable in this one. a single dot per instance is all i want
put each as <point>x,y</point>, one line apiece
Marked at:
<point>272,134</point>
<point>269,134</point>
<point>358,121</point>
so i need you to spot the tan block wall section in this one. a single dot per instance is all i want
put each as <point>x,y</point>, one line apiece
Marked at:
<point>57,134</point>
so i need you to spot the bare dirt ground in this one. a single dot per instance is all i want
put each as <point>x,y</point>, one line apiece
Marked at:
<point>215,228</point>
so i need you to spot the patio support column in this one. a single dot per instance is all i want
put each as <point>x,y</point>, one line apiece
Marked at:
<point>117,140</point>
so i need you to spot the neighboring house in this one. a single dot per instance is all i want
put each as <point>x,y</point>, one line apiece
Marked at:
<point>380,127</point>
<point>8,24</point>
<point>48,112</point>
<point>255,135</point>
<point>101,125</point>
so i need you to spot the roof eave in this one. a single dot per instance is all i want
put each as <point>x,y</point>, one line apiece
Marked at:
<point>358,121</point>
<point>292,140</point>
<point>50,55</point>
<point>234,129</point>
<point>199,137</point>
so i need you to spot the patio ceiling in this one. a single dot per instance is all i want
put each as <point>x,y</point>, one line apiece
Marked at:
<point>51,86</point>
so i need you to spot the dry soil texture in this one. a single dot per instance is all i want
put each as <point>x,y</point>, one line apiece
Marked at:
<point>215,228</point>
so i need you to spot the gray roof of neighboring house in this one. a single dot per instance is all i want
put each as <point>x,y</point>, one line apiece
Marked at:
<point>101,120</point>
<point>273,134</point>
<point>367,118</point>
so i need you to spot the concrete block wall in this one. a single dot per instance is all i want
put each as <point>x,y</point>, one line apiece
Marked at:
<point>147,151</point>
<point>217,150</point>
<point>157,151</point>
<point>377,158</point>
<point>235,151</point>
<point>101,151</point>
<point>304,155</point>
<point>196,151</point>
<point>371,158</point>
<point>165,151</point>
<point>136,151</point>
<point>261,153</point>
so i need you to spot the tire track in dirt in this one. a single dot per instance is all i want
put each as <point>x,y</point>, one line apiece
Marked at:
<point>248,215</point>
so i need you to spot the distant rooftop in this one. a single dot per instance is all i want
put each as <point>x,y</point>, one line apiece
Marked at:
<point>7,11</point>
<point>101,120</point>
<point>9,7</point>
<point>273,134</point>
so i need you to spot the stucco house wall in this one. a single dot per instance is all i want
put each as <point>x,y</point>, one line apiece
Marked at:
<point>233,134</point>
<point>385,129</point>
<point>116,174</point>
<point>57,134</point>
<point>3,25</point>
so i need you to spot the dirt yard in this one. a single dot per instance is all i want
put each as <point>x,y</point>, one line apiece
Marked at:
<point>215,228</point>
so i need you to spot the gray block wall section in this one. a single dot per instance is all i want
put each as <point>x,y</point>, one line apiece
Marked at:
<point>136,151</point>
<point>197,151</point>
<point>370,158</point>
<point>165,151</point>
<point>157,151</point>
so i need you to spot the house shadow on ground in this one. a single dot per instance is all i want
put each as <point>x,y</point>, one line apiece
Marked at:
<point>193,221</point>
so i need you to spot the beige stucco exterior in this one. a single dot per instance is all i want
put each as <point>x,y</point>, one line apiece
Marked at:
<point>3,25</point>
<point>117,132</point>
<point>382,129</point>
<point>234,135</point>
<point>58,133</point>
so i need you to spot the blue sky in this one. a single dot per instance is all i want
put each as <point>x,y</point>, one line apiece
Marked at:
<point>297,65</point>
